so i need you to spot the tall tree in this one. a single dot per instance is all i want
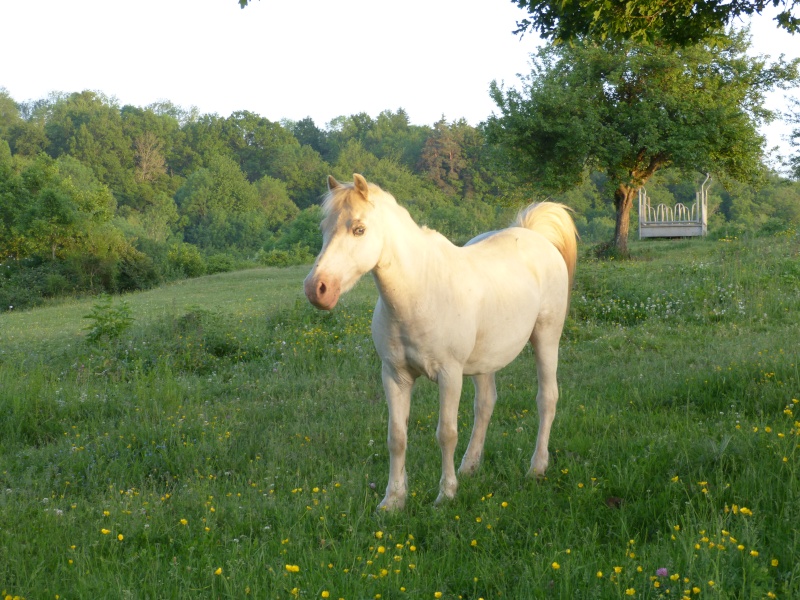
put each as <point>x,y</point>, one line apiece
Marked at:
<point>221,209</point>
<point>793,162</point>
<point>9,113</point>
<point>64,203</point>
<point>678,22</point>
<point>455,159</point>
<point>393,136</point>
<point>88,126</point>
<point>255,142</point>
<point>629,110</point>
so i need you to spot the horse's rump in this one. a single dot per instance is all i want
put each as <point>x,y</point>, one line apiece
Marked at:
<point>552,220</point>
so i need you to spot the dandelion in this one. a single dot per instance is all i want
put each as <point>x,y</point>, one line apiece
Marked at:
<point>617,570</point>
<point>184,522</point>
<point>473,543</point>
<point>325,594</point>
<point>437,595</point>
<point>379,535</point>
<point>774,562</point>
<point>105,531</point>
<point>218,571</point>
<point>381,549</point>
<point>120,537</point>
<point>630,592</point>
<point>555,566</point>
<point>293,568</point>
<point>599,574</point>
<point>754,553</point>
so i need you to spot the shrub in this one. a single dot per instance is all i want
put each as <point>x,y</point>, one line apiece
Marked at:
<point>298,254</point>
<point>137,271</point>
<point>186,259</point>
<point>108,321</point>
<point>220,263</point>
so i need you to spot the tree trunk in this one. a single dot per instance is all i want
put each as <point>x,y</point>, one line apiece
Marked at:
<point>623,201</point>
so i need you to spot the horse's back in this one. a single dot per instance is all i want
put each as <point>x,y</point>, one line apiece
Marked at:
<point>518,249</point>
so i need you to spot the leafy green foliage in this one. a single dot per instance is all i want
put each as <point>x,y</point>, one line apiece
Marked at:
<point>95,197</point>
<point>678,22</point>
<point>629,110</point>
<point>108,320</point>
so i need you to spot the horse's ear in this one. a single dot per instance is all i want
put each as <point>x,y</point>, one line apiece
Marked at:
<point>361,185</point>
<point>332,183</point>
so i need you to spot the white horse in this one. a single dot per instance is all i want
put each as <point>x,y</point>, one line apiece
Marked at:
<point>445,311</point>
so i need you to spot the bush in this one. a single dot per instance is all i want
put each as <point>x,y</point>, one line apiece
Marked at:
<point>186,259</point>
<point>137,271</point>
<point>298,254</point>
<point>109,321</point>
<point>220,263</point>
<point>25,283</point>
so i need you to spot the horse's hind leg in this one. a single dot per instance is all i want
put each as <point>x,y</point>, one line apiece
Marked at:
<point>485,398</point>
<point>545,340</point>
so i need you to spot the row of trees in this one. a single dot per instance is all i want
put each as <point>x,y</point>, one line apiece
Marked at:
<point>94,195</point>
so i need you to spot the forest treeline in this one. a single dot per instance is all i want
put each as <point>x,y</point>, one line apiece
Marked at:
<point>96,197</point>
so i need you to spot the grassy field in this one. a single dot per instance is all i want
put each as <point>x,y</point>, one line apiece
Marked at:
<point>231,443</point>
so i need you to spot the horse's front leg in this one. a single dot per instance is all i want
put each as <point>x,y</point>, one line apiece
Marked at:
<point>447,431</point>
<point>398,398</point>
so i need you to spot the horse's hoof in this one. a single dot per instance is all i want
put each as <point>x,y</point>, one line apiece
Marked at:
<point>442,498</point>
<point>469,468</point>
<point>536,475</point>
<point>391,505</point>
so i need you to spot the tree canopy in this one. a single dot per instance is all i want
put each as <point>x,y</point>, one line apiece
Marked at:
<point>629,109</point>
<point>100,197</point>
<point>678,22</point>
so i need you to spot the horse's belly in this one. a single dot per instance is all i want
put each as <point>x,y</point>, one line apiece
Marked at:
<point>495,348</point>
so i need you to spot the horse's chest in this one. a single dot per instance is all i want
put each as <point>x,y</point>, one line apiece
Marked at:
<point>419,348</point>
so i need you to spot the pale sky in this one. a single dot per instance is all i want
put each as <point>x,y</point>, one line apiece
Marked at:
<point>285,58</point>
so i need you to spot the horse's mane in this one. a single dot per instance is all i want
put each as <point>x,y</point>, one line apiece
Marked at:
<point>345,196</point>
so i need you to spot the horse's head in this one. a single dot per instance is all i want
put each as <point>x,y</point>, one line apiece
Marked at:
<point>352,241</point>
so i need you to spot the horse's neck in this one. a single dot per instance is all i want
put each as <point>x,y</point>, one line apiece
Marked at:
<point>410,265</point>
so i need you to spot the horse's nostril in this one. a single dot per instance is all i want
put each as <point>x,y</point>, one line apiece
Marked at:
<point>322,289</point>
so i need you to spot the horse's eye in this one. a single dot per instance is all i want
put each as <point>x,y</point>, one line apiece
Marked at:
<point>358,230</point>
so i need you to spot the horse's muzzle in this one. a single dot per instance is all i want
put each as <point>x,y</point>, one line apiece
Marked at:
<point>321,293</point>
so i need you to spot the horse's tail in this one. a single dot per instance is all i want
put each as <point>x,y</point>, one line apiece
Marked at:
<point>554,222</point>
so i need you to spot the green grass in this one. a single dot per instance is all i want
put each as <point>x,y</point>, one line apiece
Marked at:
<point>233,431</point>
